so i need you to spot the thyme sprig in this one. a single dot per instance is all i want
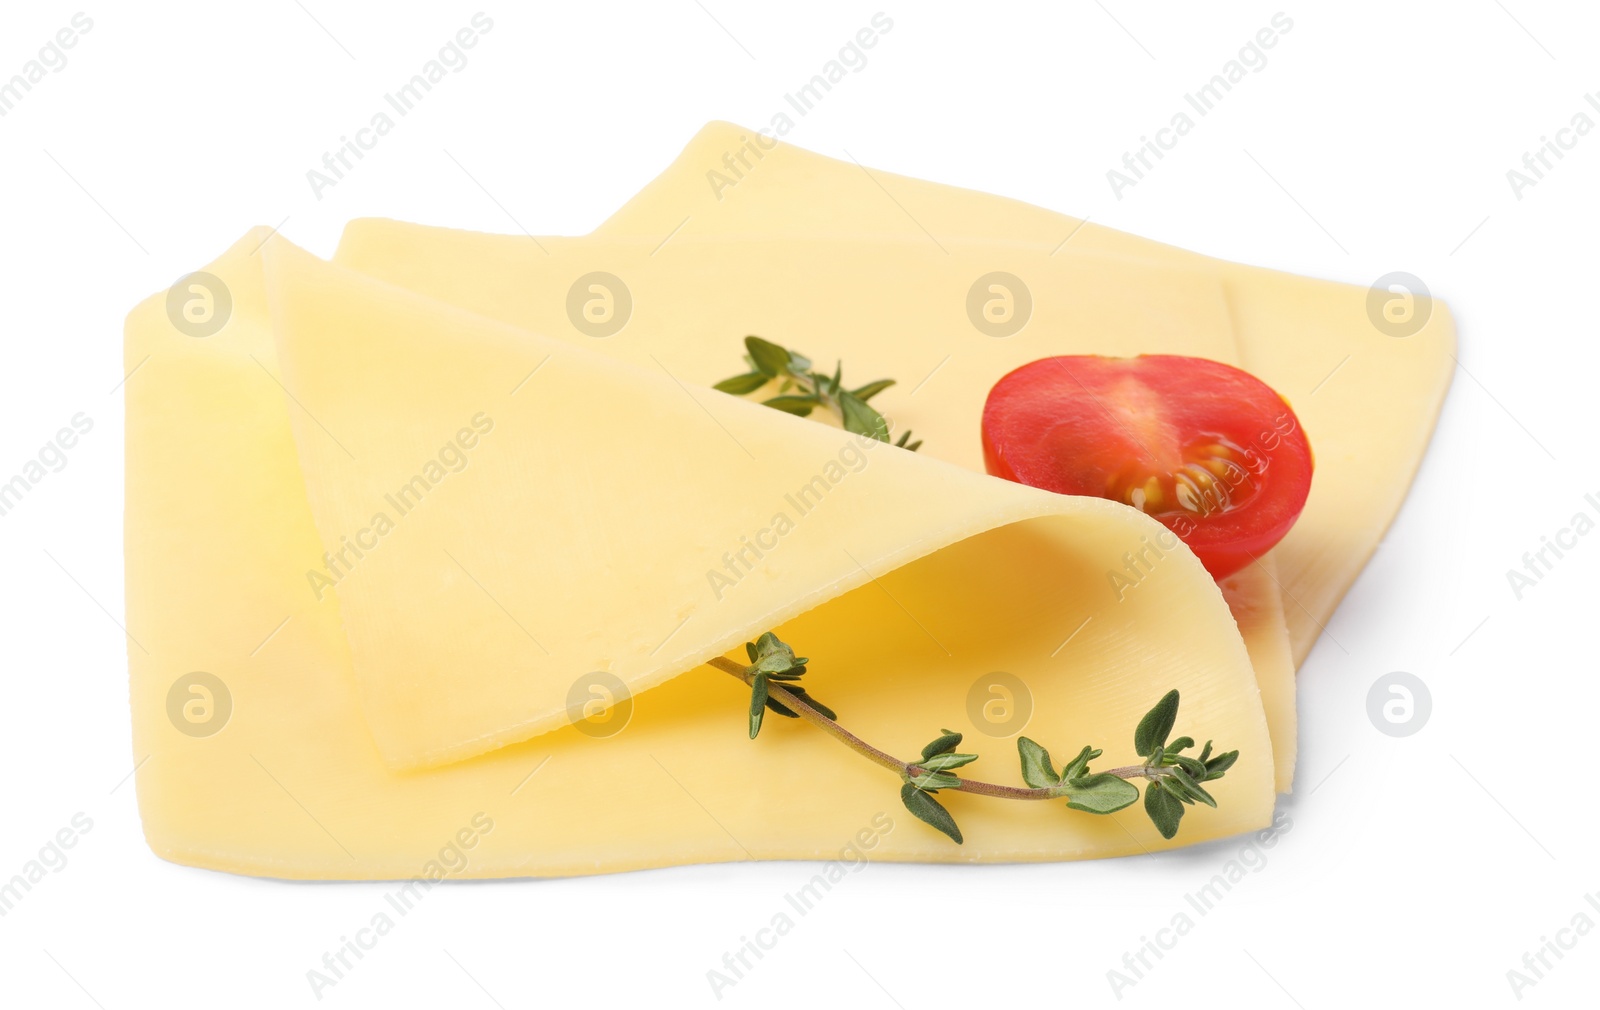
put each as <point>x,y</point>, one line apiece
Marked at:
<point>802,390</point>
<point>1173,778</point>
<point>773,661</point>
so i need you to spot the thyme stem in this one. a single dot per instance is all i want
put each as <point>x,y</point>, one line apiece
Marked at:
<point>904,768</point>
<point>811,715</point>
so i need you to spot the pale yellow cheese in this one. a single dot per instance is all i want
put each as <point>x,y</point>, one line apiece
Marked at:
<point>886,308</point>
<point>1368,398</point>
<point>243,462</point>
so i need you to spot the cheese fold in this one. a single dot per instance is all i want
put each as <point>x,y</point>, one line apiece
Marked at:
<point>308,708</point>
<point>885,307</point>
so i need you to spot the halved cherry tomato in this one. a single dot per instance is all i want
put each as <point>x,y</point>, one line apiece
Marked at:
<point>1210,451</point>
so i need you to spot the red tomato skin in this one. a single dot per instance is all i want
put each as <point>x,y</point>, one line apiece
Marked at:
<point>1076,424</point>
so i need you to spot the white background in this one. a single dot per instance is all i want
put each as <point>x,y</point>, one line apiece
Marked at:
<point>1417,870</point>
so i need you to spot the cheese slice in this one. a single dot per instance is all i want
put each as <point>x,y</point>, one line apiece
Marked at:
<point>887,308</point>
<point>1365,370</point>
<point>270,721</point>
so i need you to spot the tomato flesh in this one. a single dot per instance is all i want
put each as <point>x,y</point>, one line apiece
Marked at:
<point>1208,450</point>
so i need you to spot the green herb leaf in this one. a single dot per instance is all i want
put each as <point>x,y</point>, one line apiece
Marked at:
<point>945,762</point>
<point>1173,789</point>
<point>739,385</point>
<point>799,406</point>
<point>862,419</point>
<point>806,697</point>
<point>1165,811</point>
<point>1192,787</point>
<point>913,447</point>
<point>768,358</point>
<point>935,781</point>
<point>1036,768</point>
<point>1219,765</point>
<point>820,707</point>
<point>1079,766</point>
<point>947,742</point>
<point>775,657</point>
<point>799,692</point>
<point>1196,770</point>
<point>780,664</point>
<point>1101,794</point>
<point>1182,743</point>
<point>1156,725</point>
<point>758,703</point>
<point>871,389</point>
<point>928,810</point>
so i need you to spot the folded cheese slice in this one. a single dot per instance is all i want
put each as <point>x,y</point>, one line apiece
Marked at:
<point>886,308</point>
<point>1366,369</point>
<point>578,524</point>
